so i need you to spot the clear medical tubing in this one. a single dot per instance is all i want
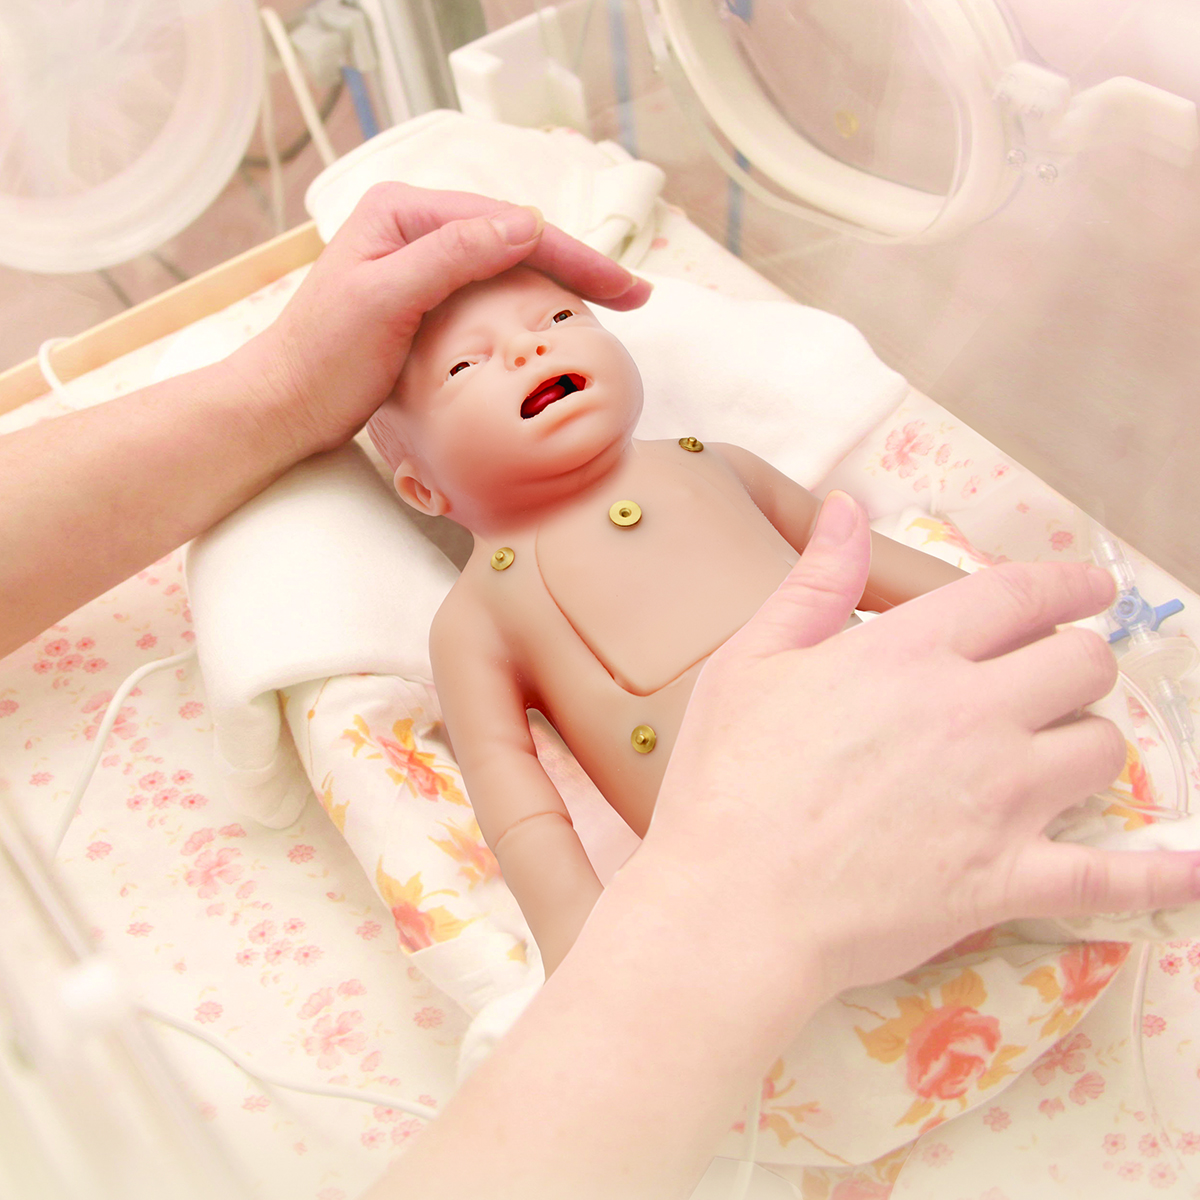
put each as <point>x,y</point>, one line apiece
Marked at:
<point>1152,666</point>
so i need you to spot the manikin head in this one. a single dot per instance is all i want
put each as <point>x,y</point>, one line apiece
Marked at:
<point>513,398</point>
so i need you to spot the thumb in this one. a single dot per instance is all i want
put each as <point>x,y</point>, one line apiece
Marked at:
<point>420,275</point>
<point>815,601</point>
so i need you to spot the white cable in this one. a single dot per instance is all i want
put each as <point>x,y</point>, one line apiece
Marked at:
<point>256,1072</point>
<point>745,1171</point>
<point>85,777</point>
<point>266,118</point>
<point>48,372</point>
<point>110,719</point>
<point>303,97</point>
<point>1135,1033</point>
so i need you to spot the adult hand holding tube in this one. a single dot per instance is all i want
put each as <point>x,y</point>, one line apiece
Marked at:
<point>838,807</point>
<point>959,706</point>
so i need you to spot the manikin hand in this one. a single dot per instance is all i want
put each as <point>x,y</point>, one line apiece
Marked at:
<point>334,354</point>
<point>883,793</point>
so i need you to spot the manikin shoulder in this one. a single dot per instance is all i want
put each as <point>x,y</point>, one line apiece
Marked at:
<point>466,625</point>
<point>722,460</point>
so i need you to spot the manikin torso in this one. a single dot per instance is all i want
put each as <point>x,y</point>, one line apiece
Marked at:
<point>604,570</point>
<point>608,624</point>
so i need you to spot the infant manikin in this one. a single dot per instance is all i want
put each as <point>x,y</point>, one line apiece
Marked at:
<point>604,570</point>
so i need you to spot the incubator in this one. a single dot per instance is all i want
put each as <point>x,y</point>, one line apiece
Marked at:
<point>997,201</point>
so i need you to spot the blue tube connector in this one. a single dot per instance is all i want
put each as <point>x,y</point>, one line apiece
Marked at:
<point>1133,611</point>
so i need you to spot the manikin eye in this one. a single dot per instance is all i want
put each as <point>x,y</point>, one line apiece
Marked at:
<point>562,316</point>
<point>459,366</point>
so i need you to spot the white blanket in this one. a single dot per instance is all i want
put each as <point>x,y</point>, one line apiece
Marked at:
<point>596,192</point>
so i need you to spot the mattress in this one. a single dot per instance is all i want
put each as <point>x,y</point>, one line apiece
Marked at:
<point>276,942</point>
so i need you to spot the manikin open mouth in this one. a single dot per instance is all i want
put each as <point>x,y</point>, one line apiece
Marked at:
<point>550,390</point>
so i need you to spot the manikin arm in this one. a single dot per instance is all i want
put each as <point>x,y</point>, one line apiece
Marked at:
<point>898,573</point>
<point>521,814</point>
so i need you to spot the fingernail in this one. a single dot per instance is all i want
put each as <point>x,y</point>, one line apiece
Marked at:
<point>1102,585</point>
<point>519,225</point>
<point>837,520</point>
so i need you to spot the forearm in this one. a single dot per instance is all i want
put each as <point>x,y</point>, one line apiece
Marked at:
<point>548,872</point>
<point>899,573</point>
<point>133,479</point>
<point>630,1064</point>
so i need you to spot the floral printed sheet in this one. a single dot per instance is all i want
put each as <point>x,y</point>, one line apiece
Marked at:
<point>281,943</point>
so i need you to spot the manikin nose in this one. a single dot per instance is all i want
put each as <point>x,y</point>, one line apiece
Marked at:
<point>521,349</point>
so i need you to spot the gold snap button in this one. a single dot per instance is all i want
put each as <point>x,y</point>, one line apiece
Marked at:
<point>695,445</point>
<point>624,513</point>
<point>502,559</point>
<point>644,739</point>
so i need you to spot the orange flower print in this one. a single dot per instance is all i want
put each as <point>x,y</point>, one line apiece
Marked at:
<point>468,849</point>
<point>1087,968</point>
<point>417,773</point>
<point>417,924</point>
<point>414,768</point>
<point>414,927</point>
<point>940,530</point>
<point>948,1050</point>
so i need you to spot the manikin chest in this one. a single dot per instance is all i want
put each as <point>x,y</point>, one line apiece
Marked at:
<point>656,575</point>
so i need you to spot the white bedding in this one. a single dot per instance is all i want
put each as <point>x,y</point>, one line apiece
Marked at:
<point>275,941</point>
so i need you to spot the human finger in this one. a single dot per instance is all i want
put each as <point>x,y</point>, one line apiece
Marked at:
<point>1066,879</point>
<point>993,611</point>
<point>1073,761</point>
<point>416,279</point>
<point>1054,676</point>
<point>816,599</point>
<point>393,216</point>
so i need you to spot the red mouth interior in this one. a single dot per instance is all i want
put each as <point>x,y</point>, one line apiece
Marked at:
<point>550,390</point>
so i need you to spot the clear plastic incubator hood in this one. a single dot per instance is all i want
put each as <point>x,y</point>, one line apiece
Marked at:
<point>894,121</point>
<point>120,123</point>
<point>1004,197</point>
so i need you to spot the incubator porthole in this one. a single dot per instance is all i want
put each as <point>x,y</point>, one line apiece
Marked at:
<point>119,126</point>
<point>874,117</point>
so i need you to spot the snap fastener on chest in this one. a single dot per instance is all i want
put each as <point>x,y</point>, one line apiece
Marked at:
<point>625,513</point>
<point>644,739</point>
<point>502,559</point>
<point>694,445</point>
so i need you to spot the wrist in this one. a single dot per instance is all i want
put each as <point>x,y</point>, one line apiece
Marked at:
<point>759,974</point>
<point>275,401</point>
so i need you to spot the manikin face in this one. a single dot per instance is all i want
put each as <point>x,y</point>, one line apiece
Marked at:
<point>514,396</point>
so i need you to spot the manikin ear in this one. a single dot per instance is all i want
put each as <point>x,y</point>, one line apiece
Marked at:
<point>414,492</point>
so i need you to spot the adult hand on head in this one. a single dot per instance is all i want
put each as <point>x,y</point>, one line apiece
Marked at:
<point>334,354</point>
<point>870,797</point>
